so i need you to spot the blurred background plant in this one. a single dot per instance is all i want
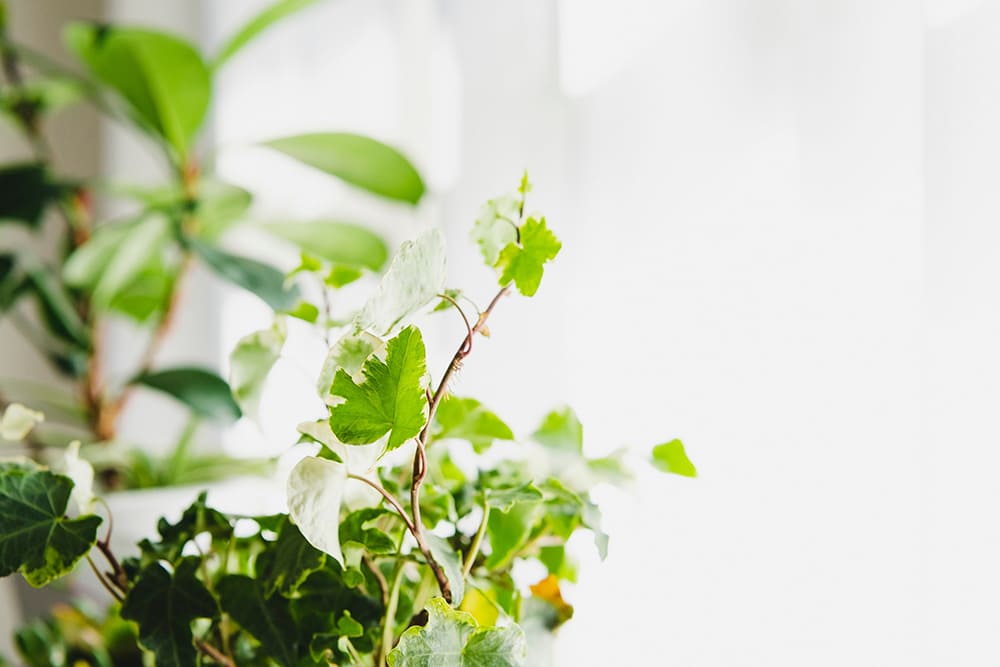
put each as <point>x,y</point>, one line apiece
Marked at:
<point>135,265</point>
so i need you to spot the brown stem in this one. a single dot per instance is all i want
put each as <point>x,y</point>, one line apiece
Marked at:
<point>383,585</point>
<point>213,653</point>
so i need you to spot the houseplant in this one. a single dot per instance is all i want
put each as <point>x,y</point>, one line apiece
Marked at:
<point>134,266</point>
<point>406,521</point>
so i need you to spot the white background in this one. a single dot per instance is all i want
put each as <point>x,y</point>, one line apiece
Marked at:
<point>781,243</point>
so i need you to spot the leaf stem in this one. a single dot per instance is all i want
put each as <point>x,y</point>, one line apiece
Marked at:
<point>389,499</point>
<point>388,631</point>
<point>104,582</point>
<point>477,541</point>
<point>213,653</point>
<point>383,585</point>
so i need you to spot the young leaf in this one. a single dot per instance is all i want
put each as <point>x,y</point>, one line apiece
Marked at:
<point>523,263</point>
<point>415,277</point>
<point>37,539</point>
<point>204,392</point>
<point>358,160</point>
<point>339,242</point>
<point>288,561</point>
<point>496,227</point>
<point>391,399</point>
<point>24,192</point>
<point>671,457</point>
<point>164,604</point>
<point>508,531</point>
<point>505,498</point>
<point>467,419</point>
<point>251,362</point>
<point>18,421</point>
<point>452,638</point>
<point>262,279</point>
<point>266,618</point>
<point>315,491</point>
<point>561,430</point>
<point>258,24</point>
<point>349,353</point>
<point>161,77</point>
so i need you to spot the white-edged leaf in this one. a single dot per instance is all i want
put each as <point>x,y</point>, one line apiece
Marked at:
<point>82,473</point>
<point>496,226</point>
<point>315,492</point>
<point>251,362</point>
<point>350,353</point>
<point>415,277</point>
<point>360,459</point>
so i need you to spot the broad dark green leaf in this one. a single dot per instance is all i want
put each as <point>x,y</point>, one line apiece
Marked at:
<point>24,193</point>
<point>266,618</point>
<point>671,457</point>
<point>288,561</point>
<point>361,161</point>
<point>467,419</point>
<point>197,519</point>
<point>204,392</point>
<point>338,242</point>
<point>391,399</point>
<point>258,24</point>
<point>453,639</point>
<point>37,539</point>
<point>262,279</point>
<point>162,78</point>
<point>164,604</point>
<point>523,263</point>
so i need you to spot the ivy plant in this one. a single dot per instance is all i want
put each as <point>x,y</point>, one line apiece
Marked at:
<point>134,266</point>
<point>410,517</point>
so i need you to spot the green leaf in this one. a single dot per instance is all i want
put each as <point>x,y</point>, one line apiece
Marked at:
<point>451,562</point>
<point>24,193</point>
<point>355,528</point>
<point>262,279</point>
<point>467,419</point>
<point>256,26</point>
<point>204,392</point>
<point>198,518</point>
<point>505,498</point>
<point>453,639</point>
<point>391,399</point>
<point>266,618</point>
<point>358,160</point>
<point>349,353</point>
<point>509,531</point>
<point>445,304</point>
<point>610,469</point>
<point>496,227</point>
<point>315,492</point>
<point>341,275</point>
<point>671,457</point>
<point>523,263</point>
<point>561,430</point>
<point>57,305</point>
<point>220,204</point>
<point>162,78</point>
<point>164,604</point>
<point>37,539</point>
<point>251,362</point>
<point>138,249</point>
<point>149,294</point>
<point>85,266</point>
<point>339,242</point>
<point>415,277</point>
<point>288,561</point>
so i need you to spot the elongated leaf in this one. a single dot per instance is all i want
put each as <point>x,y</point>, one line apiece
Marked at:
<point>138,249</point>
<point>164,604</point>
<point>85,266</point>
<point>37,539</point>
<point>220,205</point>
<point>414,279</point>
<point>256,26</point>
<point>263,280</point>
<point>361,161</point>
<point>315,491</point>
<point>339,242</point>
<point>671,457</point>
<point>390,400</point>
<point>204,392</point>
<point>452,638</point>
<point>266,618</point>
<point>162,78</point>
<point>57,306</point>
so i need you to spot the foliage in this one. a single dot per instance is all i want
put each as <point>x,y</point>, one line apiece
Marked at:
<point>392,552</point>
<point>135,266</point>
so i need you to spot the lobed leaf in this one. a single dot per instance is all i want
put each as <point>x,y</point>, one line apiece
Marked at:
<point>523,263</point>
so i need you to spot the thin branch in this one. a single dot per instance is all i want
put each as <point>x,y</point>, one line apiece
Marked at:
<point>118,576</point>
<point>213,653</point>
<point>468,327</point>
<point>104,582</point>
<point>383,585</point>
<point>390,499</point>
<point>470,557</point>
